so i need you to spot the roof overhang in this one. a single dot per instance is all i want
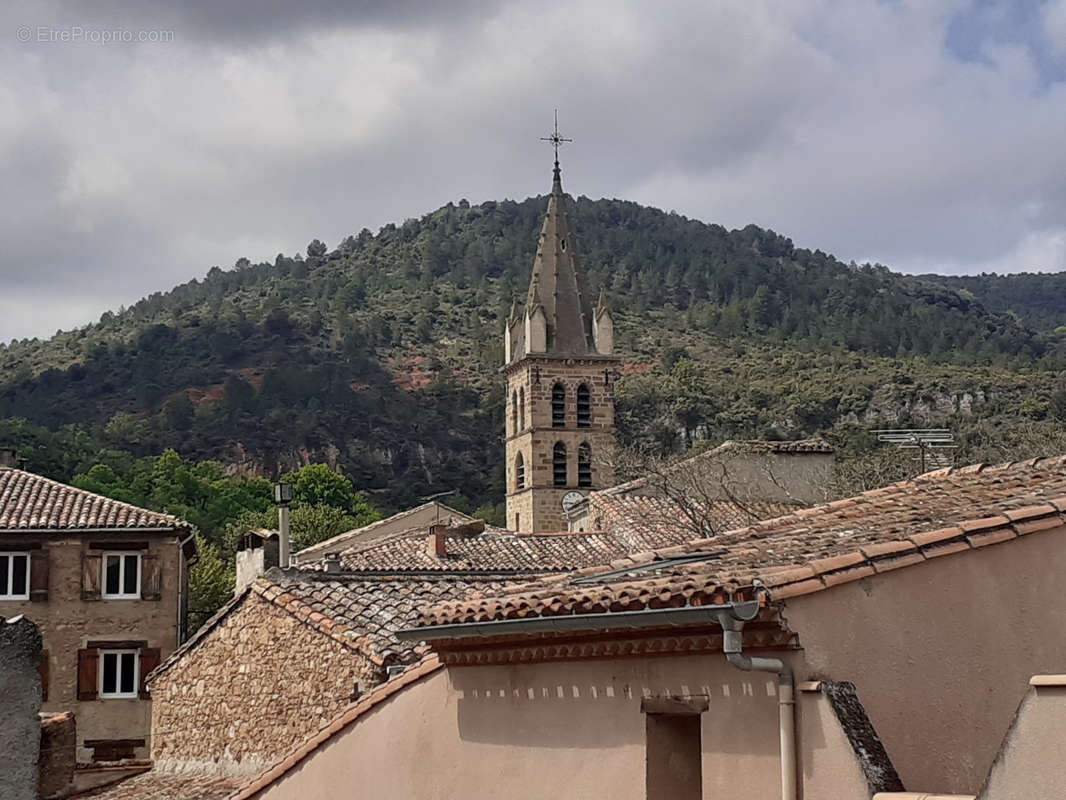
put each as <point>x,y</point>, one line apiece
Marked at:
<point>573,623</point>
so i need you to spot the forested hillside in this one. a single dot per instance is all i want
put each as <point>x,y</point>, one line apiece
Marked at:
<point>379,357</point>
<point>1038,299</point>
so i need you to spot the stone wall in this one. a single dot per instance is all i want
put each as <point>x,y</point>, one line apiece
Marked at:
<point>257,684</point>
<point>70,623</point>
<point>59,739</point>
<point>20,700</point>
<point>538,506</point>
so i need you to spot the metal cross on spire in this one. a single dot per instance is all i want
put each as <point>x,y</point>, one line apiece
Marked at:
<point>556,140</point>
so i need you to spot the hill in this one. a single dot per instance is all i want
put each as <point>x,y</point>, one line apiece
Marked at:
<point>1036,298</point>
<point>380,356</point>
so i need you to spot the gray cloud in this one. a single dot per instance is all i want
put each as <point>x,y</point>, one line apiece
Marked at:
<point>849,126</point>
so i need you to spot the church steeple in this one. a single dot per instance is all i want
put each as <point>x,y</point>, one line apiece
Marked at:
<point>556,279</point>
<point>560,371</point>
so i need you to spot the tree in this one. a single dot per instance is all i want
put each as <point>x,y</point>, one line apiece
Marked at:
<point>317,484</point>
<point>309,524</point>
<point>211,582</point>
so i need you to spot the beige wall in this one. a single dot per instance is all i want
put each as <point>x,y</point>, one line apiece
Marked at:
<point>941,652</point>
<point>567,730</point>
<point>1032,762</point>
<point>69,623</point>
<point>828,765</point>
<point>255,685</point>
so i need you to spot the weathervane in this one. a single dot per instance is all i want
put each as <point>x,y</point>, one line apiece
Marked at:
<point>556,139</point>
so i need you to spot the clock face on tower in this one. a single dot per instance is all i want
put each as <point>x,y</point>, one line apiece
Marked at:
<point>570,499</point>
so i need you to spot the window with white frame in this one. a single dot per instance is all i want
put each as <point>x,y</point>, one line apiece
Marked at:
<point>118,674</point>
<point>122,575</point>
<point>14,576</point>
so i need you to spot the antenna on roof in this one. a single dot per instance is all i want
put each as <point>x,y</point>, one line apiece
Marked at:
<point>429,497</point>
<point>932,444</point>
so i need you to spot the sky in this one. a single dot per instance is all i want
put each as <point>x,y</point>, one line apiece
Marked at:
<point>143,142</point>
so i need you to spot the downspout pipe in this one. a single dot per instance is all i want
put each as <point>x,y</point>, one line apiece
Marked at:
<point>733,646</point>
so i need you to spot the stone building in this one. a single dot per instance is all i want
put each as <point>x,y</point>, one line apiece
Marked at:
<point>107,584</point>
<point>560,369</point>
<point>278,661</point>
<point>866,646</point>
<point>20,698</point>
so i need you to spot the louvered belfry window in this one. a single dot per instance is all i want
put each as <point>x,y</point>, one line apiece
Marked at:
<point>519,472</point>
<point>584,407</point>
<point>558,406</point>
<point>584,465</point>
<point>559,464</point>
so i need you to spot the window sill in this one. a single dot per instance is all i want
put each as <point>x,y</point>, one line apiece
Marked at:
<point>15,599</point>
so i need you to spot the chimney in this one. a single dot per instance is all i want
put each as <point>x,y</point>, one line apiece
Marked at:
<point>8,456</point>
<point>438,540</point>
<point>333,563</point>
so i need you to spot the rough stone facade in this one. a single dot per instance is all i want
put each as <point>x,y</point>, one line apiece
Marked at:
<point>73,619</point>
<point>261,682</point>
<point>59,740</point>
<point>537,507</point>
<point>20,699</point>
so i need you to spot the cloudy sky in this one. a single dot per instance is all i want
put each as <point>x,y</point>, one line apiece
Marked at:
<point>924,134</point>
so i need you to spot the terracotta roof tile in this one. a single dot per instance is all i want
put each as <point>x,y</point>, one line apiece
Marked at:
<point>154,785</point>
<point>31,503</point>
<point>936,514</point>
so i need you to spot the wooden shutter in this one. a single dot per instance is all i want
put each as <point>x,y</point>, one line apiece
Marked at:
<point>39,564</point>
<point>91,565</point>
<point>42,669</point>
<point>149,661</point>
<point>88,660</point>
<point>150,577</point>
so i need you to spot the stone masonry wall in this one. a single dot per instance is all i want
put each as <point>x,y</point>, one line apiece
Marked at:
<point>257,684</point>
<point>20,700</point>
<point>538,505</point>
<point>69,623</point>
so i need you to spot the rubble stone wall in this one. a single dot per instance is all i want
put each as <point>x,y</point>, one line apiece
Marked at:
<point>258,683</point>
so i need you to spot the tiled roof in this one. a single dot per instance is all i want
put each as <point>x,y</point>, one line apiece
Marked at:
<point>724,451</point>
<point>365,613</point>
<point>29,502</point>
<point>649,523</point>
<point>936,514</point>
<point>353,538</point>
<point>382,692</point>
<point>492,551</point>
<point>153,785</point>
<point>360,612</point>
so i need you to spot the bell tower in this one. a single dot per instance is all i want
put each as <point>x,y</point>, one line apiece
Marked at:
<point>560,370</point>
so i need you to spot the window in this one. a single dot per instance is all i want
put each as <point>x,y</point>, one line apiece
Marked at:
<point>558,406</point>
<point>118,674</point>
<point>122,575</point>
<point>521,408</point>
<point>14,576</point>
<point>584,465</point>
<point>559,464</point>
<point>584,407</point>
<point>514,412</point>
<point>519,472</point>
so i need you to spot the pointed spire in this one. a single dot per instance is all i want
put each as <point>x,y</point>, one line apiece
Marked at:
<point>601,304</point>
<point>556,280</point>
